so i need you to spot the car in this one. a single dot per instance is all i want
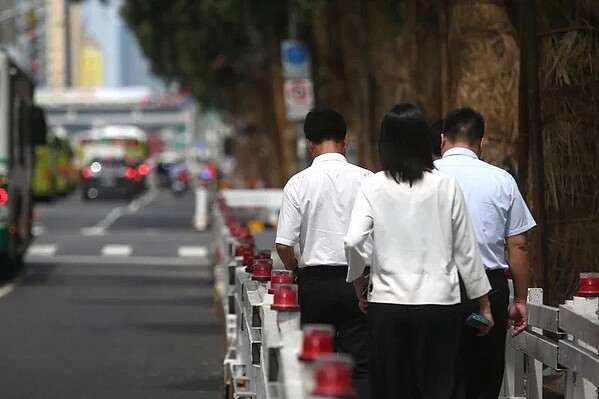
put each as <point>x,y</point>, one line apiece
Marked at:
<point>109,177</point>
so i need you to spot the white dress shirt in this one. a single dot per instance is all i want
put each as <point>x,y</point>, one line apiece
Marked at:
<point>422,240</point>
<point>316,207</point>
<point>496,207</point>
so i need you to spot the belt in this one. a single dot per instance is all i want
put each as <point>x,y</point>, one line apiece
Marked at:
<point>324,270</point>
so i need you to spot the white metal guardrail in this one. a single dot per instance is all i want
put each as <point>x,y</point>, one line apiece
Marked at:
<point>564,338</point>
<point>264,344</point>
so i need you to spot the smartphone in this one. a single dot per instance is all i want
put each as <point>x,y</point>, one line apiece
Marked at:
<point>475,320</point>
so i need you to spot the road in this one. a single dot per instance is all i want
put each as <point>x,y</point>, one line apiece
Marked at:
<point>116,302</point>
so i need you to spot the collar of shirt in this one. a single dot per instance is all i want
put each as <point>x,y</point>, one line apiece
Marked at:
<point>329,156</point>
<point>460,151</point>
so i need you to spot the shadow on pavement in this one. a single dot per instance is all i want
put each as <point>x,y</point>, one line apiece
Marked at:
<point>37,273</point>
<point>205,302</point>
<point>212,383</point>
<point>181,328</point>
<point>131,281</point>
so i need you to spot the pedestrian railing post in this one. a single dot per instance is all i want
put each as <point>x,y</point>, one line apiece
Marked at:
<point>573,348</point>
<point>264,335</point>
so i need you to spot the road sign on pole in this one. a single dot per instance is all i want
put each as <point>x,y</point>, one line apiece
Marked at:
<point>299,98</point>
<point>295,58</point>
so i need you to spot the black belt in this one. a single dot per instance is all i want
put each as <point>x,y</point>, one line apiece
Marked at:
<point>324,271</point>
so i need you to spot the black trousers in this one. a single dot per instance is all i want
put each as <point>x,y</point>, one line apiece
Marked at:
<point>416,351</point>
<point>325,298</point>
<point>484,357</point>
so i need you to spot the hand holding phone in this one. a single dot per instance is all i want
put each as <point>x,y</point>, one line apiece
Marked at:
<point>479,322</point>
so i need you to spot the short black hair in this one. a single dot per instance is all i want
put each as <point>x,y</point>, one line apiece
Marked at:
<point>404,146</point>
<point>435,137</point>
<point>464,124</point>
<point>323,125</point>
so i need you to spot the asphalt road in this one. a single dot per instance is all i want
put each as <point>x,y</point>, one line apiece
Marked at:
<point>116,302</point>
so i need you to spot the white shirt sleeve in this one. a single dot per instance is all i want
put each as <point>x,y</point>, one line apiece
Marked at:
<point>519,219</point>
<point>466,254</point>
<point>358,246</point>
<point>290,218</point>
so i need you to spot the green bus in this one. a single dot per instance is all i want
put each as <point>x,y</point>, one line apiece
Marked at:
<point>21,126</point>
<point>54,173</point>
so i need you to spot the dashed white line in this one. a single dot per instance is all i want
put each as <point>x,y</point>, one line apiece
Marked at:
<point>92,231</point>
<point>192,252</point>
<point>42,250</point>
<point>117,250</point>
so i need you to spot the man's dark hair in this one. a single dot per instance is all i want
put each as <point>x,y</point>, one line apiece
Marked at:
<point>323,125</point>
<point>404,146</point>
<point>464,124</point>
<point>435,137</point>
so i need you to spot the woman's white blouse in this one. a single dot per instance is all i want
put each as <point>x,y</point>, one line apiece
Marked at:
<point>422,239</point>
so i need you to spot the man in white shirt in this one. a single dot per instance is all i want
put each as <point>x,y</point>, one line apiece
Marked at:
<point>315,214</point>
<point>500,218</point>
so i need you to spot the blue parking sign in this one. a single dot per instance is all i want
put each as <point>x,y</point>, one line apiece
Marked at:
<point>295,58</point>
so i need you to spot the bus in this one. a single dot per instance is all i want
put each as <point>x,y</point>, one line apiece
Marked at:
<point>21,126</point>
<point>54,174</point>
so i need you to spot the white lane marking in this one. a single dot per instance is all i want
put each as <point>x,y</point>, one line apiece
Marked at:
<point>130,260</point>
<point>192,252</point>
<point>144,200</point>
<point>112,216</point>
<point>38,230</point>
<point>130,209</point>
<point>117,250</point>
<point>7,289</point>
<point>92,231</point>
<point>42,249</point>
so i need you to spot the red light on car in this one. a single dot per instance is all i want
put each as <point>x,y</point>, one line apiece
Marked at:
<point>130,173</point>
<point>86,173</point>
<point>184,176</point>
<point>3,196</point>
<point>143,169</point>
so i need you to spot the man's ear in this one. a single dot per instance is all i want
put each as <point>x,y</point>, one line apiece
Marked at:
<point>345,142</point>
<point>310,145</point>
<point>443,141</point>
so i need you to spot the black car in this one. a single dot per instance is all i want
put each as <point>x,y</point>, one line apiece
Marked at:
<point>108,178</point>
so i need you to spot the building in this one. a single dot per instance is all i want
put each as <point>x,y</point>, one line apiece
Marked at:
<point>63,43</point>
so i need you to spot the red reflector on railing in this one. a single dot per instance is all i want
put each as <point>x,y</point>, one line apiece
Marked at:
<point>3,196</point>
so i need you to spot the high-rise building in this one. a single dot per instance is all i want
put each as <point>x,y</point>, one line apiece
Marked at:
<point>63,43</point>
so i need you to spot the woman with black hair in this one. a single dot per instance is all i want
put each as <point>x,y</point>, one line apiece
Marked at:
<point>422,241</point>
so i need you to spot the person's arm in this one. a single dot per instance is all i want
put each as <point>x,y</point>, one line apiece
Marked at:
<point>518,223</point>
<point>517,247</point>
<point>467,258</point>
<point>360,227</point>
<point>288,227</point>
<point>287,256</point>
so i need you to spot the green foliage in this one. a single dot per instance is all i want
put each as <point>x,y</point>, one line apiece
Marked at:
<point>206,44</point>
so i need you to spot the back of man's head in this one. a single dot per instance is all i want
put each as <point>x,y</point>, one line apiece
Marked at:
<point>464,124</point>
<point>323,125</point>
